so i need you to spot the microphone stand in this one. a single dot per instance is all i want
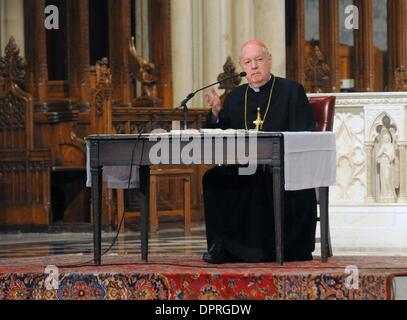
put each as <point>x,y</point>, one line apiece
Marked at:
<point>185,108</point>
<point>192,94</point>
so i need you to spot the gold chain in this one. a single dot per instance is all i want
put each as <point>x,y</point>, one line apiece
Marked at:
<point>268,105</point>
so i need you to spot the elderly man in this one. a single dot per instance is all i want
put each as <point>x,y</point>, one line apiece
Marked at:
<point>239,209</point>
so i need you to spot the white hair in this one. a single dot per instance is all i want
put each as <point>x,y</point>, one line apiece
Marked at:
<point>265,49</point>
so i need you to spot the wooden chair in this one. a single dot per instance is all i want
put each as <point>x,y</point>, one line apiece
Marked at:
<point>324,110</point>
<point>158,174</point>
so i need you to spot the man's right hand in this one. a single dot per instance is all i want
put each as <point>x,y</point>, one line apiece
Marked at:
<point>214,102</point>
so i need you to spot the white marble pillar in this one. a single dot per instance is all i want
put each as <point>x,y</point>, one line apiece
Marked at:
<point>270,27</point>
<point>206,32</point>
<point>182,48</point>
<point>197,52</point>
<point>12,23</point>
<point>242,24</point>
<point>142,29</point>
<point>2,27</point>
<point>217,37</point>
<point>142,33</point>
<point>226,30</point>
<point>212,40</point>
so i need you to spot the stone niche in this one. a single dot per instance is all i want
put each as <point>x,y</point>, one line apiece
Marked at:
<point>385,146</point>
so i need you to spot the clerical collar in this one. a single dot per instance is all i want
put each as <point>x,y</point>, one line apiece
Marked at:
<point>259,88</point>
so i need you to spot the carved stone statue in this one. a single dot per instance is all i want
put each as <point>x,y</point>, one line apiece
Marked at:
<point>386,159</point>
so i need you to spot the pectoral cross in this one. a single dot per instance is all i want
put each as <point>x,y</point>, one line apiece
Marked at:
<point>258,122</point>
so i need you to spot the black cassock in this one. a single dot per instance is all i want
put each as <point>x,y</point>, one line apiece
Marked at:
<point>239,211</point>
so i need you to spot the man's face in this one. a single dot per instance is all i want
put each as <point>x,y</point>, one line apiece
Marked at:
<point>257,64</point>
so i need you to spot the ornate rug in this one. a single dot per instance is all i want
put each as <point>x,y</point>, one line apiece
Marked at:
<point>188,278</point>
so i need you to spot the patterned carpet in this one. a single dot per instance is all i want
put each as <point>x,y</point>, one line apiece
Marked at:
<point>184,278</point>
<point>175,271</point>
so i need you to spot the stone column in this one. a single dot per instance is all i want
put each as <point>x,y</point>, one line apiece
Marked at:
<point>12,23</point>
<point>217,38</point>
<point>202,40</point>
<point>226,30</point>
<point>142,32</point>
<point>403,172</point>
<point>197,51</point>
<point>182,48</point>
<point>142,29</point>
<point>242,24</point>
<point>205,32</point>
<point>2,27</point>
<point>370,173</point>
<point>212,40</point>
<point>270,27</point>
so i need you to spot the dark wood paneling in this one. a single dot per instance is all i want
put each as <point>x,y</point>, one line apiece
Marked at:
<point>35,51</point>
<point>295,11</point>
<point>120,35</point>
<point>98,30</point>
<point>160,44</point>
<point>364,49</point>
<point>329,40</point>
<point>73,106</point>
<point>78,51</point>
<point>397,33</point>
<point>57,43</point>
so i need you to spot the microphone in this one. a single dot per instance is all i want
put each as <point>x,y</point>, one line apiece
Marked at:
<point>192,94</point>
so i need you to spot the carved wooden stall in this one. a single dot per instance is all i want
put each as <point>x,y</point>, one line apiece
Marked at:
<point>76,92</point>
<point>370,68</point>
<point>24,168</point>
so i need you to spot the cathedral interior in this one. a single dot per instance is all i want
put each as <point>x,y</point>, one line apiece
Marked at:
<point>69,69</point>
